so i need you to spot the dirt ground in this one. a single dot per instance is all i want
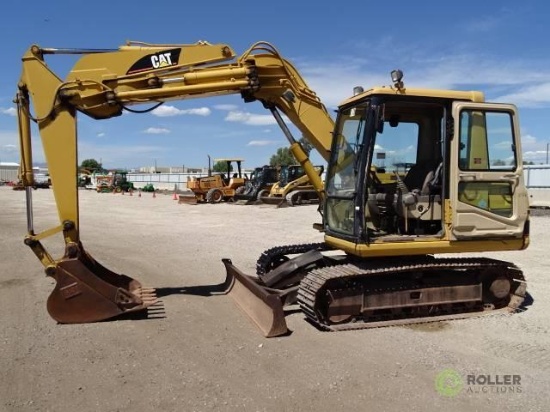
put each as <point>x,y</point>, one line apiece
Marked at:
<point>204,354</point>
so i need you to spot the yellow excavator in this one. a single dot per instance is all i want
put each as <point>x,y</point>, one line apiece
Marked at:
<point>454,199</point>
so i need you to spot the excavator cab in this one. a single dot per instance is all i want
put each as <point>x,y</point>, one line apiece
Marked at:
<point>455,150</point>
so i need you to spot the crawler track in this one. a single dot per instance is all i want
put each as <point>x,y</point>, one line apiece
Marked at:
<point>382,293</point>
<point>271,258</point>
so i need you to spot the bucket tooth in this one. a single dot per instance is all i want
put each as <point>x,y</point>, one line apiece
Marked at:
<point>264,307</point>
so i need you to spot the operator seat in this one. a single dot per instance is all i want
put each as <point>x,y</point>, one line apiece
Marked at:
<point>432,182</point>
<point>225,180</point>
<point>423,199</point>
<point>420,174</point>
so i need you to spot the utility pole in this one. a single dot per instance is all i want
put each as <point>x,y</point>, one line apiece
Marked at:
<point>547,145</point>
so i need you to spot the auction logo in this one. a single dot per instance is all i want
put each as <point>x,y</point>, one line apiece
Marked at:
<point>450,383</point>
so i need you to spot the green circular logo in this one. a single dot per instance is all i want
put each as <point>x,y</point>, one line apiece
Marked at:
<point>448,383</point>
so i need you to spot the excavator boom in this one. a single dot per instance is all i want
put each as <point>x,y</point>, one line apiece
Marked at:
<point>104,83</point>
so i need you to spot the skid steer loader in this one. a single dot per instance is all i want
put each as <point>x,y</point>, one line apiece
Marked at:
<point>260,182</point>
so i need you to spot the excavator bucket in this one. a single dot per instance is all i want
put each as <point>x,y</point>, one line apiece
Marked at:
<point>87,292</point>
<point>262,305</point>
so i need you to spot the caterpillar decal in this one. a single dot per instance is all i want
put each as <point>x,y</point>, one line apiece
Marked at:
<point>157,60</point>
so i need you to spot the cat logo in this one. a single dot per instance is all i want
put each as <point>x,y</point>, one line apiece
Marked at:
<point>161,60</point>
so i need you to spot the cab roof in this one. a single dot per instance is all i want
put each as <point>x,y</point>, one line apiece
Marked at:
<point>473,96</point>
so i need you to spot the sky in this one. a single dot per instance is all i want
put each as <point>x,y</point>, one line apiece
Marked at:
<point>499,48</point>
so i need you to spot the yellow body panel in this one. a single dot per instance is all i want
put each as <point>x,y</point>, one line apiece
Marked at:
<point>424,246</point>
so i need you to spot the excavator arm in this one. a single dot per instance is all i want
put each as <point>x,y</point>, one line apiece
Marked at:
<point>103,84</point>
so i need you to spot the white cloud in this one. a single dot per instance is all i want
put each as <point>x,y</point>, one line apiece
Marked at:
<point>261,142</point>
<point>538,156</point>
<point>498,19</point>
<point>530,142</point>
<point>9,148</point>
<point>529,96</point>
<point>121,155</point>
<point>250,118</point>
<point>156,130</point>
<point>10,111</point>
<point>168,111</point>
<point>100,134</point>
<point>522,82</point>
<point>226,107</point>
<point>8,138</point>
<point>533,149</point>
<point>483,24</point>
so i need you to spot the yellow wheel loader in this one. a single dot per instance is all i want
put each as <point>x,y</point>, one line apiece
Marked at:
<point>220,187</point>
<point>377,264</point>
<point>292,189</point>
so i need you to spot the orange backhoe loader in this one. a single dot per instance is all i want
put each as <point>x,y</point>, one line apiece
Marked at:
<point>215,188</point>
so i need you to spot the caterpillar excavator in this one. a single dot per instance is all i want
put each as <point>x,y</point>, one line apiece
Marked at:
<point>379,263</point>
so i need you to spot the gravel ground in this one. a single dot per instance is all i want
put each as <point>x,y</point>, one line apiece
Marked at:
<point>204,354</point>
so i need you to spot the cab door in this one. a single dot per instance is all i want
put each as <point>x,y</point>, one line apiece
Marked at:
<point>487,191</point>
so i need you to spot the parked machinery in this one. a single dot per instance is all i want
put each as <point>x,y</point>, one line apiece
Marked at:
<point>258,183</point>
<point>293,188</point>
<point>215,188</point>
<point>116,181</point>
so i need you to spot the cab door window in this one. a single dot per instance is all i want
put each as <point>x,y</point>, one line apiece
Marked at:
<point>487,145</point>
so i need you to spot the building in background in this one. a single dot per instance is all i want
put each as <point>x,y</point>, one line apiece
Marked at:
<point>8,172</point>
